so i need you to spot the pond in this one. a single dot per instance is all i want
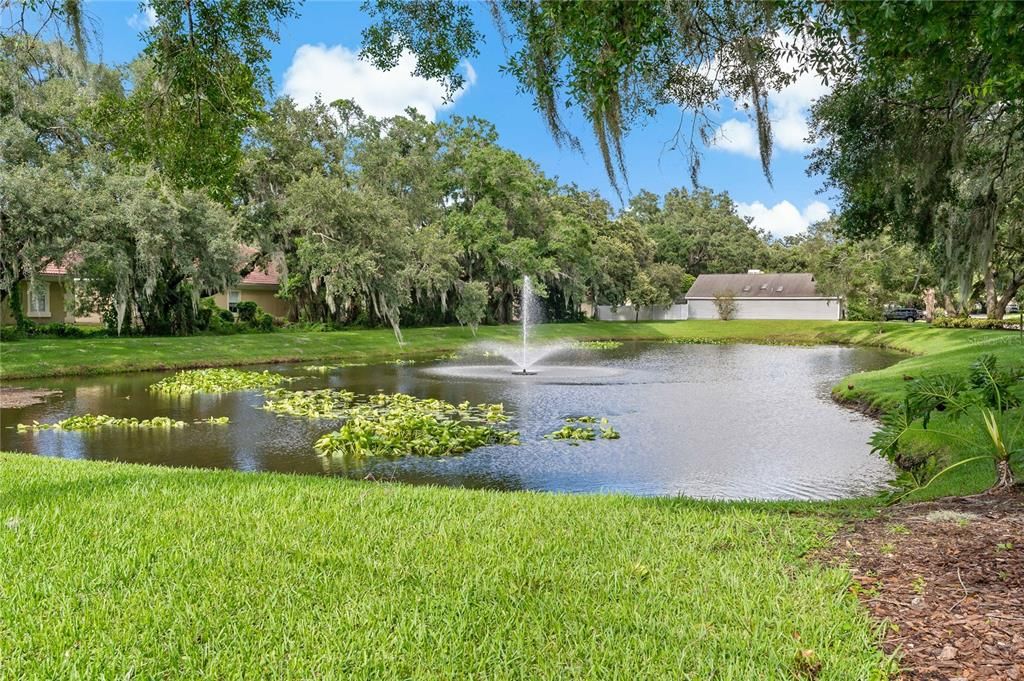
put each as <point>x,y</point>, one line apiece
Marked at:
<point>709,421</point>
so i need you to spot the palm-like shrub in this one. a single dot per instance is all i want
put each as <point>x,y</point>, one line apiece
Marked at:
<point>984,394</point>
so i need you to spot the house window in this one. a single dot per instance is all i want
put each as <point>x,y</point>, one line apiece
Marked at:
<point>39,299</point>
<point>234,298</point>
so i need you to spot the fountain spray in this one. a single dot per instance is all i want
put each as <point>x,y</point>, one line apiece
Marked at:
<point>524,314</point>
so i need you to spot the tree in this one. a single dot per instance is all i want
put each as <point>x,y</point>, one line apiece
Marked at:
<point>643,293</point>
<point>353,246</point>
<point>197,88</point>
<point>725,304</point>
<point>671,279</point>
<point>923,132</point>
<point>701,232</point>
<point>153,251</point>
<point>472,306</point>
<point>45,94</point>
<point>615,61</point>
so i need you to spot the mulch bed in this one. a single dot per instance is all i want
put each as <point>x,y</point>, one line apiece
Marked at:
<point>948,578</point>
<point>14,398</point>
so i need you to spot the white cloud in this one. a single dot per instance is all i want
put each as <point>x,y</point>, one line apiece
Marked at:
<point>337,73</point>
<point>144,19</point>
<point>738,137</point>
<point>784,219</point>
<point>787,109</point>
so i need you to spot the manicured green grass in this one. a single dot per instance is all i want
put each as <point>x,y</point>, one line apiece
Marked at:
<point>54,357</point>
<point>121,571</point>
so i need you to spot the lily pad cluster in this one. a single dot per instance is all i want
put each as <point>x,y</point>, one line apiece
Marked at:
<point>597,345</point>
<point>328,368</point>
<point>92,421</point>
<point>216,381</point>
<point>584,428</point>
<point>314,404</point>
<point>399,424</point>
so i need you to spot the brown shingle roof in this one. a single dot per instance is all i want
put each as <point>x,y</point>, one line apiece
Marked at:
<point>797,285</point>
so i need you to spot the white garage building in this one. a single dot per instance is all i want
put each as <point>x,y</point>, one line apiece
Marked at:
<point>763,296</point>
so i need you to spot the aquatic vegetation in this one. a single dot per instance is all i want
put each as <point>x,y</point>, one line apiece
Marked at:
<point>398,424</point>
<point>216,381</point>
<point>597,345</point>
<point>698,340</point>
<point>314,404</point>
<point>320,368</point>
<point>572,433</point>
<point>447,356</point>
<point>216,420</point>
<point>93,421</point>
<point>582,428</point>
<point>398,361</point>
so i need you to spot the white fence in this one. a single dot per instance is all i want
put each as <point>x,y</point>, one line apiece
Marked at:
<point>627,313</point>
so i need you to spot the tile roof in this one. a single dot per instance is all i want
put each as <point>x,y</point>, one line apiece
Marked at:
<point>794,285</point>
<point>261,276</point>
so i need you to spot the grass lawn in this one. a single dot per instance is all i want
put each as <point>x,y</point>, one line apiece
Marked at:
<point>73,356</point>
<point>118,571</point>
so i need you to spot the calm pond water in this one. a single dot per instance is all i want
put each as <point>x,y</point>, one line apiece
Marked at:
<point>719,421</point>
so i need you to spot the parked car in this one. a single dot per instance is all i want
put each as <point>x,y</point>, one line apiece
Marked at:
<point>1012,307</point>
<point>903,313</point>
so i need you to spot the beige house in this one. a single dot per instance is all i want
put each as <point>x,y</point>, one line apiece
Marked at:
<point>47,299</point>
<point>259,286</point>
<point>43,300</point>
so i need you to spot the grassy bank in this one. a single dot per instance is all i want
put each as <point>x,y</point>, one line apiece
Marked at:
<point>112,570</point>
<point>73,356</point>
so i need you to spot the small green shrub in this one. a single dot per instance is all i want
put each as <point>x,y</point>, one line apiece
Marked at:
<point>247,312</point>
<point>10,333</point>
<point>219,326</point>
<point>203,317</point>
<point>226,315</point>
<point>972,323</point>
<point>264,322</point>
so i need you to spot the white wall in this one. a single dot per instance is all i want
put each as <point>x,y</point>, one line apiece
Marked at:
<point>772,308</point>
<point>627,313</point>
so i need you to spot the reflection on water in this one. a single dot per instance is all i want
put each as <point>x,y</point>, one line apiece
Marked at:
<point>722,421</point>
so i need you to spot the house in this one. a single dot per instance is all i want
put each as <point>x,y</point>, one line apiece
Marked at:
<point>49,298</point>
<point>259,286</point>
<point>45,300</point>
<point>763,296</point>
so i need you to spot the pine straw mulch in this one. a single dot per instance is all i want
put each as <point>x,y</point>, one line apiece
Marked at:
<point>948,578</point>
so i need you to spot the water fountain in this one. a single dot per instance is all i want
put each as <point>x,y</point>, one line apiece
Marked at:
<point>526,355</point>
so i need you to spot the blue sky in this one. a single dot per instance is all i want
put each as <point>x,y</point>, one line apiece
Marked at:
<point>317,54</point>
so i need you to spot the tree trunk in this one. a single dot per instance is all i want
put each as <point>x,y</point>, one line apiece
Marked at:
<point>1004,477</point>
<point>991,299</point>
<point>929,304</point>
<point>1014,285</point>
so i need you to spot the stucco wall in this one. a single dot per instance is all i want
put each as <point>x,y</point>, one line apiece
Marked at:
<point>57,313</point>
<point>627,313</point>
<point>265,298</point>
<point>777,308</point>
